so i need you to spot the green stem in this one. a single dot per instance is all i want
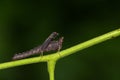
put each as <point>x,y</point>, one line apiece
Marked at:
<point>51,68</point>
<point>63,53</point>
<point>89,43</point>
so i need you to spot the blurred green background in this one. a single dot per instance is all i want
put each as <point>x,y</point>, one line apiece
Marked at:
<point>25,24</point>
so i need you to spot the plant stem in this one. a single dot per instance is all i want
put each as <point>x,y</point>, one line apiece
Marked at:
<point>89,43</point>
<point>63,53</point>
<point>51,68</point>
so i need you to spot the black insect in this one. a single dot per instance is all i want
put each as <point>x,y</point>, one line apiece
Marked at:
<point>49,45</point>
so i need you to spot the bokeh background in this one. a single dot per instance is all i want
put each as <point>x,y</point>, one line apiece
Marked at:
<point>25,24</point>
